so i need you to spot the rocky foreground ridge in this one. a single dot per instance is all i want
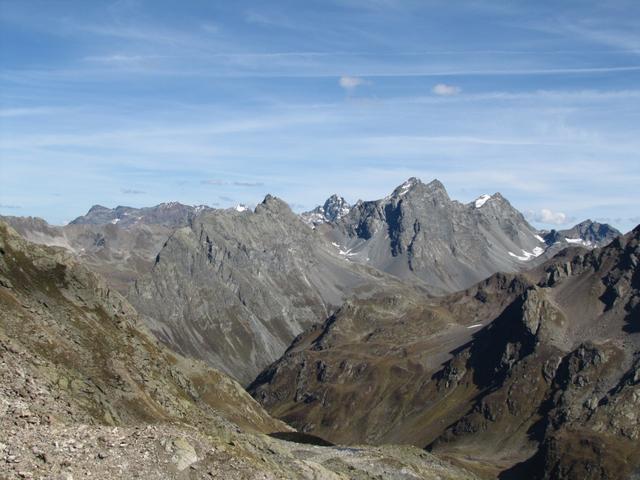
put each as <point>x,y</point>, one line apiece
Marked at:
<point>87,392</point>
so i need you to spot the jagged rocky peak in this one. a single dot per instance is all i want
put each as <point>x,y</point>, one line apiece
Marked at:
<point>273,205</point>
<point>333,209</point>
<point>98,208</point>
<point>588,234</point>
<point>406,186</point>
<point>414,187</point>
<point>481,200</point>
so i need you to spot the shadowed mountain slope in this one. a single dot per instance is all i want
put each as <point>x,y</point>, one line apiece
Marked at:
<point>506,377</point>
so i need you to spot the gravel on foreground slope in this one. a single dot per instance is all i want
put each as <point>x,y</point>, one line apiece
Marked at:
<point>86,392</point>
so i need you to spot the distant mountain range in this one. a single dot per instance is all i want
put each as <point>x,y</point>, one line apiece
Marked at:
<point>418,233</point>
<point>234,286</point>
<point>413,319</point>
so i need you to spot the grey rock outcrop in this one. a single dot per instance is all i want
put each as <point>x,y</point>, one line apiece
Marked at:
<point>586,234</point>
<point>235,288</point>
<point>334,208</point>
<point>418,233</point>
<point>171,214</point>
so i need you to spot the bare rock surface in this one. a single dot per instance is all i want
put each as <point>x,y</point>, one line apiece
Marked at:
<point>87,392</point>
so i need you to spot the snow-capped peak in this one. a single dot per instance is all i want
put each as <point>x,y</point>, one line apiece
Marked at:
<point>405,187</point>
<point>241,207</point>
<point>333,210</point>
<point>481,200</point>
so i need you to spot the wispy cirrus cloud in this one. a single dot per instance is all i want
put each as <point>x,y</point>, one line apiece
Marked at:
<point>160,101</point>
<point>28,111</point>
<point>235,183</point>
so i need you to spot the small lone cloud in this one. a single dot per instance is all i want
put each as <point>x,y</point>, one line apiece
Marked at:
<point>131,191</point>
<point>351,83</point>
<point>550,217</point>
<point>10,207</point>
<point>445,90</point>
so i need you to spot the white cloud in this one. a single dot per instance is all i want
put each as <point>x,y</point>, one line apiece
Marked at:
<point>548,216</point>
<point>350,83</point>
<point>445,90</point>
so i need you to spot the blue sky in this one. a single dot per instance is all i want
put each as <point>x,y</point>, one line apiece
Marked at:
<point>138,102</point>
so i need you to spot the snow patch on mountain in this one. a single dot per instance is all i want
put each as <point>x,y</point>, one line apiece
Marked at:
<point>526,256</point>
<point>481,200</point>
<point>334,208</point>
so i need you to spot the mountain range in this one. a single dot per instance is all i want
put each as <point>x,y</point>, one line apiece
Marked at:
<point>455,328</point>
<point>234,287</point>
<point>86,391</point>
<point>507,377</point>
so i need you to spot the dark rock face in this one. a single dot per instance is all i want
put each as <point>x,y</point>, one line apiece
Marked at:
<point>544,384</point>
<point>587,234</point>
<point>334,208</point>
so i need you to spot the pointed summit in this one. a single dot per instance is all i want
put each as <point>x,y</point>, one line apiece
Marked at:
<point>274,205</point>
<point>334,208</point>
<point>481,200</point>
<point>407,186</point>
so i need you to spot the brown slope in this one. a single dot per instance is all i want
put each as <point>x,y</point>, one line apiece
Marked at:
<point>559,356</point>
<point>86,341</point>
<point>85,391</point>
